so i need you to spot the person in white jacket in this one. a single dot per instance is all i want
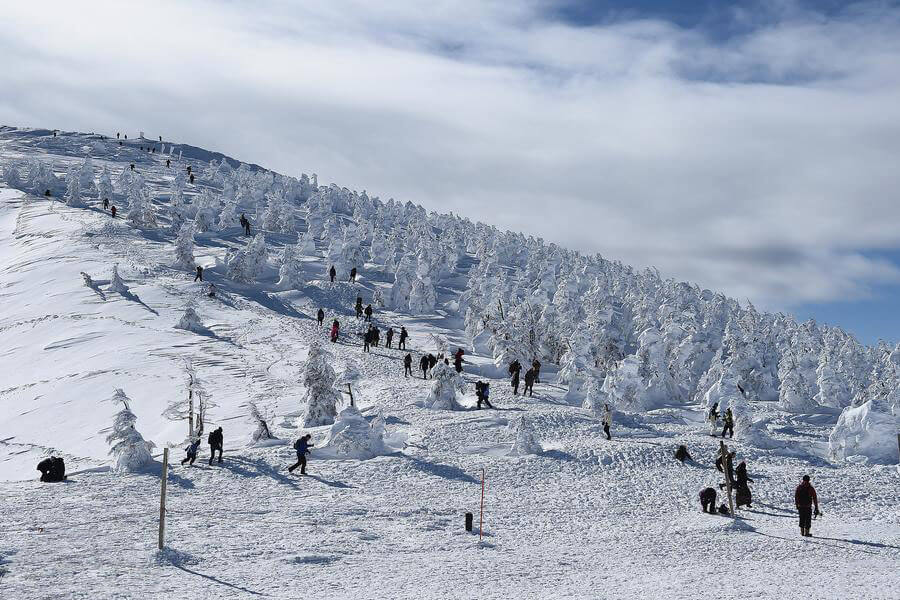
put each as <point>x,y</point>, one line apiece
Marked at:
<point>607,420</point>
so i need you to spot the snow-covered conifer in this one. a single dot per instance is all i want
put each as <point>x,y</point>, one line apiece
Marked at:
<point>351,436</point>
<point>73,189</point>
<point>184,247</point>
<point>105,186</point>
<point>319,378</point>
<point>130,450</point>
<point>190,321</point>
<point>290,273</point>
<point>249,263</point>
<point>445,386</point>
<point>525,443</point>
<point>116,283</point>
<point>403,283</point>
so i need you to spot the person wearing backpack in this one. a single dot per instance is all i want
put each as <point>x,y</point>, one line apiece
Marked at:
<point>320,316</point>
<point>332,273</point>
<point>302,447</point>
<point>216,441</point>
<point>191,452</point>
<point>804,499</point>
<point>729,424</point>
<point>388,337</point>
<point>403,336</point>
<point>407,365</point>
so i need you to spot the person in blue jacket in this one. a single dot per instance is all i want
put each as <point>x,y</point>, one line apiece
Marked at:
<point>302,447</point>
<point>192,452</point>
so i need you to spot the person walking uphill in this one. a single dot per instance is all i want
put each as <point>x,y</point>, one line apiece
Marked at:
<point>359,307</point>
<point>403,336</point>
<point>199,274</point>
<point>607,420</point>
<point>530,376</point>
<point>729,424</point>
<point>388,337</point>
<point>458,360</point>
<point>424,364</point>
<point>302,447</point>
<point>804,499</point>
<point>335,330</point>
<point>332,273</point>
<point>407,365</point>
<point>368,312</point>
<point>216,442</point>
<point>191,452</point>
<point>320,317</point>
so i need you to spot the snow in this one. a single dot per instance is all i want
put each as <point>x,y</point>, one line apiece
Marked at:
<point>867,432</point>
<point>570,514</point>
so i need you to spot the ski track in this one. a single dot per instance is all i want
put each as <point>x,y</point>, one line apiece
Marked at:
<point>587,518</point>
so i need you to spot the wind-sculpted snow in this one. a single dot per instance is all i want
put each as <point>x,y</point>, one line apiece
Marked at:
<point>90,303</point>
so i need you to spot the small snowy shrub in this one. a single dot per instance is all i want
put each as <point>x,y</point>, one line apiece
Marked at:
<point>190,321</point>
<point>525,442</point>
<point>116,283</point>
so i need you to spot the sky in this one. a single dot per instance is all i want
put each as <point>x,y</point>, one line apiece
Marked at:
<point>751,147</point>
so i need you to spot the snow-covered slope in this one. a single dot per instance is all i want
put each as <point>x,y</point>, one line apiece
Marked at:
<point>574,516</point>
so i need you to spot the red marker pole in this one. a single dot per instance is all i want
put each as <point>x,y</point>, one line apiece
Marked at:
<point>481,518</point>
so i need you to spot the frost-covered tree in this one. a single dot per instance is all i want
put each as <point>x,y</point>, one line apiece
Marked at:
<point>73,189</point>
<point>422,296</point>
<point>193,405</point>
<point>867,432</point>
<point>351,436</point>
<point>249,263</point>
<point>261,419</point>
<point>319,378</point>
<point>131,452</point>
<point>525,443</point>
<point>190,321</point>
<point>595,400</point>
<point>445,386</point>
<point>290,274</point>
<point>575,364</point>
<point>184,247</point>
<point>403,283</point>
<point>86,176</point>
<point>116,283</point>
<point>306,245</point>
<point>140,210</point>
<point>105,186</point>
<point>11,175</point>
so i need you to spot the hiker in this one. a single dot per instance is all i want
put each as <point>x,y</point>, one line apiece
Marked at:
<point>359,307</point>
<point>335,329</point>
<point>191,179</point>
<point>458,360</point>
<point>743,496</point>
<point>118,135</point>
<point>407,365</point>
<point>191,452</point>
<point>302,447</point>
<point>482,392</point>
<point>189,168</point>
<point>53,469</point>
<point>332,273</point>
<point>132,166</point>
<point>682,454</point>
<point>199,274</point>
<point>367,339</point>
<point>245,224</point>
<point>106,204</point>
<point>729,424</point>
<point>112,211</point>
<point>536,365</point>
<point>607,420</point>
<point>320,317</point>
<point>168,163</point>
<point>515,382</point>
<point>376,336</point>
<point>160,138</point>
<point>529,382</point>
<point>388,337</point>
<point>432,360</point>
<point>713,417</point>
<point>424,364</point>
<point>216,440</point>
<point>211,291</point>
<point>805,498</point>
<point>403,336</point>
<point>708,500</point>
<point>352,274</point>
<point>368,312</point>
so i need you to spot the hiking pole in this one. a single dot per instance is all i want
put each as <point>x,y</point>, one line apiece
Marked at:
<point>481,518</point>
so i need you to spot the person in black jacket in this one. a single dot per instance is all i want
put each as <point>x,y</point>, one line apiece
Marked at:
<point>368,312</point>
<point>302,447</point>
<point>708,500</point>
<point>743,496</point>
<point>388,337</point>
<point>332,273</point>
<point>407,365</point>
<point>191,451</point>
<point>53,469</point>
<point>529,382</point>
<point>199,274</point>
<point>320,316</point>
<point>729,424</point>
<point>352,274</point>
<point>359,307</point>
<point>514,382</point>
<point>216,441</point>
<point>424,364</point>
<point>367,339</point>
<point>106,204</point>
<point>403,336</point>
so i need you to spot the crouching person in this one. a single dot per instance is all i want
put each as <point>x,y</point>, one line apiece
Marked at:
<point>52,469</point>
<point>708,500</point>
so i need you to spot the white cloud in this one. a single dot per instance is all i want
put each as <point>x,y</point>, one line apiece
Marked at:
<point>762,166</point>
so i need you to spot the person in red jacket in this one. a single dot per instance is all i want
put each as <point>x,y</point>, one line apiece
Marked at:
<point>805,498</point>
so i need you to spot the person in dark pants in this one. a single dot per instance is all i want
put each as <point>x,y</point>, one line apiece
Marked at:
<point>320,316</point>
<point>359,307</point>
<point>424,364</point>
<point>708,500</point>
<point>515,382</point>
<point>216,442</point>
<point>368,312</point>
<point>536,365</point>
<point>482,391</point>
<point>332,273</point>
<point>199,274</point>
<point>192,181</point>
<point>729,424</point>
<point>529,382</point>
<point>352,274</point>
<point>743,496</point>
<point>105,203</point>
<point>607,420</point>
<point>53,469</point>
<point>403,336</point>
<point>168,163</point>
<point>367,340</point>
<point>804,499</point>
<point>302,447</point>
<point>376,336</point>
<point>112,211</point>
<point>407,365</point>
<point>335,330</point>
<point>388,337</point>
<point>132,166</point>
<point>191,452</point>
<point>458,360</point>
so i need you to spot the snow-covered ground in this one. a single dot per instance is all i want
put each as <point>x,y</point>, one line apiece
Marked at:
<point>585,518</point>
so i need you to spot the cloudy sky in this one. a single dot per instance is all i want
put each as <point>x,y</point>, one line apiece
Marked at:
<point>752,147</point>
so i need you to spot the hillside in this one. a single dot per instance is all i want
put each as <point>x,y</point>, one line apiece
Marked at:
<point>575,516</point>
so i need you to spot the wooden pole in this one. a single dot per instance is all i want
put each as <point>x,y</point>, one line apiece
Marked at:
<point>162,497</point>
<point>481,518</point>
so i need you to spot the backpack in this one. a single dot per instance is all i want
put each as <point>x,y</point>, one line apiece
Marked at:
<point>803,497</point>
<point>297,444</point>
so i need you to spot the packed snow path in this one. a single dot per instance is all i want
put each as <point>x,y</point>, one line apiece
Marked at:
<point>586,518</point>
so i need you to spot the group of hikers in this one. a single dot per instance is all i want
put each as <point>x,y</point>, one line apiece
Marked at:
<point>216,441</point>
<point>727,420</point>
<point>332,273</point>
<point>532,376</point>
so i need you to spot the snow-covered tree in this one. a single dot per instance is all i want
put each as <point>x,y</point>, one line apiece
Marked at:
<point>867,432</point>
<point>595,399</point>
<point>422,297</point>
<point>525,443</point>
<point>249,263</point>
<point>184,247</point>
<point>290,274</point>
<point>73,189</point>
<point>11,175</point>
<point>261,419</point>
<point>105,187</point>
<point>193,405</point>
<point>351,436</point>
<point>130,450</point>
<point>86,176</point>
<point>403,283</point>
<point>116,283</point>
<point>319,378</point>
<point>190,321</point>
<point>445,386</point>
